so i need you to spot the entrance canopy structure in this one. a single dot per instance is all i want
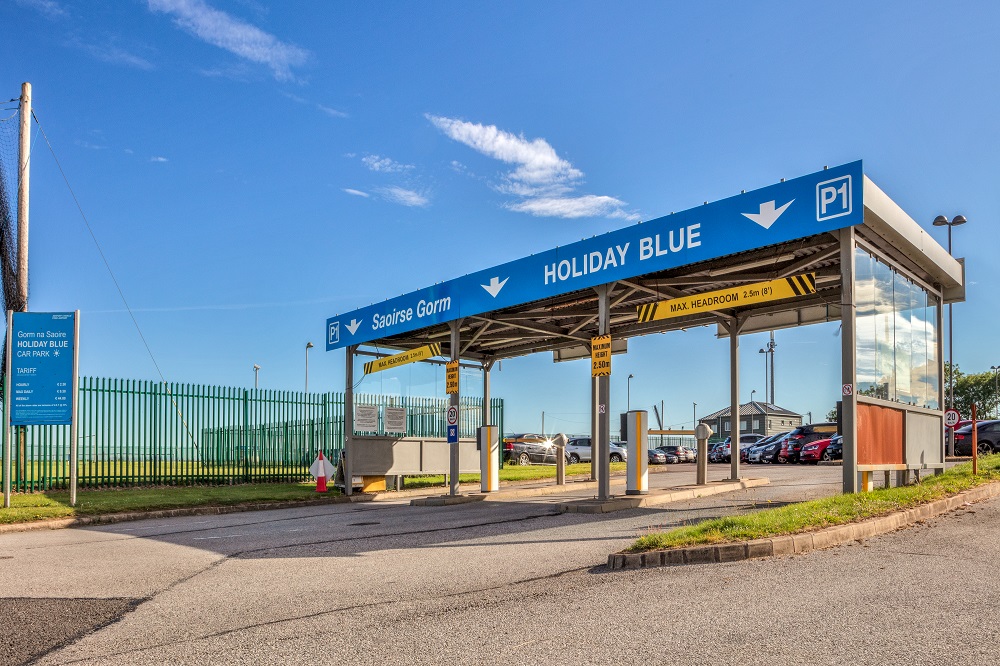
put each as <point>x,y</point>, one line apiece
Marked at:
<point>829,246</point>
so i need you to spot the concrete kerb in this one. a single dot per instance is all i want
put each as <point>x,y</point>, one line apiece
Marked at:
<point>658,497</point>
<point>801,543</point>
<point>111,518</point>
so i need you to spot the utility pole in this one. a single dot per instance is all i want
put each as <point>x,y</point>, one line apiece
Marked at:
<point>23,176</point>
<point>770,348</point>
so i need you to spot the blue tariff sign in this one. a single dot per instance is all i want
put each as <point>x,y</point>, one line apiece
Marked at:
<point>41,368</point>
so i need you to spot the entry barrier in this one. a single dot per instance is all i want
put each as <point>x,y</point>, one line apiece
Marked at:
<point>637,470</point>
<point>489,458</point>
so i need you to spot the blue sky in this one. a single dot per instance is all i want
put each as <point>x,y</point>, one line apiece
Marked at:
<point>252,168</point>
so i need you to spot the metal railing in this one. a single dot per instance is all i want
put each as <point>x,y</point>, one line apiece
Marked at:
<point>136,432</point>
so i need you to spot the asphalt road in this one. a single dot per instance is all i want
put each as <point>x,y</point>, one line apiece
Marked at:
<point>509,581</point>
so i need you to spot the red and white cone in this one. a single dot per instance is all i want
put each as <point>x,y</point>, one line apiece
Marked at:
<point>320,469</point>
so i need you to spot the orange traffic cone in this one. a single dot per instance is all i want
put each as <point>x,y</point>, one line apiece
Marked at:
<point>321,479</point>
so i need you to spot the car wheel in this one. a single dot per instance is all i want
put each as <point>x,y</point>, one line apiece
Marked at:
<point>573,459</point>
<point>524,459</point>
<point>826,455</point>
<point>985,448</point>
<point>615,457</point>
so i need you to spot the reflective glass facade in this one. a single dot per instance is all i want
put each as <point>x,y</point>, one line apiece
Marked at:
<point>896,334</point>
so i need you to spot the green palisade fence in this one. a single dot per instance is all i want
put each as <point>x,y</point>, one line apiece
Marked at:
<point>139,433</point>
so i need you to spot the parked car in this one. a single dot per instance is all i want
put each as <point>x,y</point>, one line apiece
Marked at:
<point>813,452</point>
<point>679,452</point>
<point>528,448</point>
<point>803,435</point>
<point>579,449</point>
<point>836,449</point>
<point>658,457</point>
<point>987,438</point>
<point>746,441</point>
<point>771,452</point>
<point>715,451</point>
<point>755,452</point>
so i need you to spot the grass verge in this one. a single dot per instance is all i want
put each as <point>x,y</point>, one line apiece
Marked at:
<point>510,473</point>
<point>40,506</point>
<point>826,512</point>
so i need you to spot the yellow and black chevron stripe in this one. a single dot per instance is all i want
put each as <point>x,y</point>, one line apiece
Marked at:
<point>647,312</point>
<point>802,284</point>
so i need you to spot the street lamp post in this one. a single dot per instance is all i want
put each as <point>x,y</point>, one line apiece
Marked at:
<point>628,393</point>
<point>256,369</point>
<point>694,415</point>
<point>942,221</point>
<point>309,346</point>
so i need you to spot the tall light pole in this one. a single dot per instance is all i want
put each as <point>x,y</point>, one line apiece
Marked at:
<point>769,349</point>
<point>628,393</point>
<point>309,346</point>
<point>765,352</point>
<point>942,221</point>
<point>256,369</point>
<point>694,415</point>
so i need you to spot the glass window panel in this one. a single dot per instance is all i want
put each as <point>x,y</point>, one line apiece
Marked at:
<point>884,335</point>
<point>903,337</point>
<point>864,290</point>
<point>933,375</point>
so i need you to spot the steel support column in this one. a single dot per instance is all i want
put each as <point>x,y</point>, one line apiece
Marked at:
<point>849,358</point>
<point>602,449</point>
<point>454,400</point>
<point>348,418</point>
<point>594,427</point>
<point>947,440</point>
<point>734,326</point>
<point>487,411</point>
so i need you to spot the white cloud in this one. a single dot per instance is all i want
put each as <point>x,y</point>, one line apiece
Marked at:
<point>357,193</point>
<point>540,170</point>
<point>238,37</point>
<point>541,178</point>
<point>129,151</point>
<point>89,146</point>
<point>158,158</point>
<point>588,205</point>
<point>384,164</point>
<point>333,113</point>
<point>51,9</point>
<point>112,54</point>
<point>403,196</point>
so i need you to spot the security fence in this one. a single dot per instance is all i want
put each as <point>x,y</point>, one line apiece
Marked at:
<point>135,432</point>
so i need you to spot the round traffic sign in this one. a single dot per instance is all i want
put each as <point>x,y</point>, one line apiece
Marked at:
<point>453,415</point>
<point>952,417</point>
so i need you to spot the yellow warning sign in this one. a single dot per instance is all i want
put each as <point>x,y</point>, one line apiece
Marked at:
<point>402,358</point>
<point>451,378</point>
<point>734,297</point>
<point>600,356</point>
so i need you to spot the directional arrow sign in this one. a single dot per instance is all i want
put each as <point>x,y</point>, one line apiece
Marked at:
<point>768,214</point>
<point>353,326</point>
<point>495,285</point>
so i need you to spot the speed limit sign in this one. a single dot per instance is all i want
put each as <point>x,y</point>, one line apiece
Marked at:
<point>452,415</point>
<point>952,417</point>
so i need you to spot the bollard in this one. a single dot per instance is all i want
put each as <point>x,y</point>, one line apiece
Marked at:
<point>637,434</point>
<point>702,433</point>
<point>559,441</point>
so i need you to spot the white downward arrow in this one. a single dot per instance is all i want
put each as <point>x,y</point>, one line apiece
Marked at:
<point>495,285</point>
<point>768,214</point>
<point>353,326</point>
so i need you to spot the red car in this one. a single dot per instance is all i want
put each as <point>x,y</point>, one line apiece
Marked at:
<point>813,452</point>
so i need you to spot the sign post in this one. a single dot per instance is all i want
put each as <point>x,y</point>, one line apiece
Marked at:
<point>41,380</point>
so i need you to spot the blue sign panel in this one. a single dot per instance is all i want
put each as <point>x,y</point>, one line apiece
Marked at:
<point>453,434</point>
<point>41,368</point>
<point>820,202</point>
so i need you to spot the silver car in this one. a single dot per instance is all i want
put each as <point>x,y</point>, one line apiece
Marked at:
<point>578,449</point>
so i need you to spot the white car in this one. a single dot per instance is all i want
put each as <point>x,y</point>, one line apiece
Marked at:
<point>579,449</point>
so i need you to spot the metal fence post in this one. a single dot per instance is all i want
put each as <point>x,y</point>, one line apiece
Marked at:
<point>246,436</point>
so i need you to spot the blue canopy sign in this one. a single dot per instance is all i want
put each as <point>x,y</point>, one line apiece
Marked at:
<point>820,202</point>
